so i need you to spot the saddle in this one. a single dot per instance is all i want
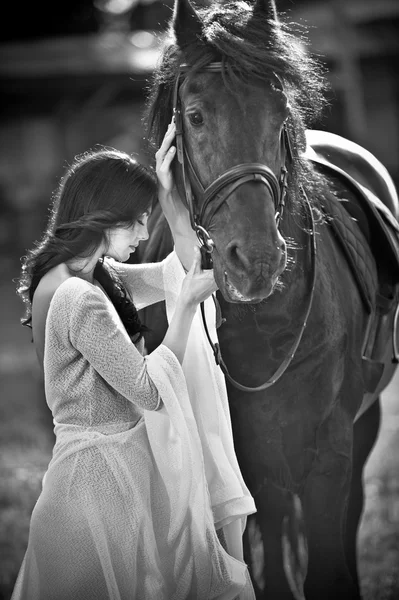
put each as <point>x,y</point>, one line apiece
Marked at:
<point>368,233</point>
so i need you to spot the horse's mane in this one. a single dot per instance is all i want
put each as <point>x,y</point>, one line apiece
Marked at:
<point>251,48</point>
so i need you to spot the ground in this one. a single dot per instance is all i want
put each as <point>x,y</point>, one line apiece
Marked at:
<point>26,441</point>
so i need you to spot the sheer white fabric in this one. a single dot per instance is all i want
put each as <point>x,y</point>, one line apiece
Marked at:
<point>125,512</point>
<point>230,497</point>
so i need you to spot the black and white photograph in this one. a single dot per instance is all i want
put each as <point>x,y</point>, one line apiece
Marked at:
<point>199,260</point>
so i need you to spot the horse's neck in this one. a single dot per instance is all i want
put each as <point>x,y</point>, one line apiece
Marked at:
<point>292,292</point>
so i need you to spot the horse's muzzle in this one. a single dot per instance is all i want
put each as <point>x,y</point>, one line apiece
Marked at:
<point>253,284</point>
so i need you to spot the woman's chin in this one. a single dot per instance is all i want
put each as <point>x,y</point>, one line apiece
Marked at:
<point>120,257</point>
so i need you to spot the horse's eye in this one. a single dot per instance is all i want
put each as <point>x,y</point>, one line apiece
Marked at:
<point>196,118</point>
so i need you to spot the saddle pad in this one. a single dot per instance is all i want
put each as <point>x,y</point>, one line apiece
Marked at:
<point>356,250</point>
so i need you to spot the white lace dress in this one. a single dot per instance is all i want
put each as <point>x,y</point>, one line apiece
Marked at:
<point>126,512</point>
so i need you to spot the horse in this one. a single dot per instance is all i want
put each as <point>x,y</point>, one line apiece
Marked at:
<point>301,229</point>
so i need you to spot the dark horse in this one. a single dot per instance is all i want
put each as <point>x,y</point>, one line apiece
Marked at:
<point>308,290</point>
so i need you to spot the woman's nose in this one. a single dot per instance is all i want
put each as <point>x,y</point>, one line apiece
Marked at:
<point>144,234</point>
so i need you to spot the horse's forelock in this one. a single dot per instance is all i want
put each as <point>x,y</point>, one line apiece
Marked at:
<point>254,48</point>
<point>260,47</point>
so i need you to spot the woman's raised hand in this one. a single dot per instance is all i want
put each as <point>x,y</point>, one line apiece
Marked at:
<point>172,206</point>
<point>164,157</point>
<point>197,285</point>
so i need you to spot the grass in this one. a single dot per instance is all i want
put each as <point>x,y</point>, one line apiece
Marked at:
<point>25,450</point>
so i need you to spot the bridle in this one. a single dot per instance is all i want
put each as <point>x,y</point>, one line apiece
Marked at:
<point>210,199</point>
<point>203,203</point>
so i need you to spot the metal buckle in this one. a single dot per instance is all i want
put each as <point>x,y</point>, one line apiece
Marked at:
<point>204,238</point>
<point>395,333</point>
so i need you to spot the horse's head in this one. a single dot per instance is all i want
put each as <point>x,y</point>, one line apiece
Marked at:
<point>225,73</point>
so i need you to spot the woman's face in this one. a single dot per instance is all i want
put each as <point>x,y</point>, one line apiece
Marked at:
<point>124,240</point>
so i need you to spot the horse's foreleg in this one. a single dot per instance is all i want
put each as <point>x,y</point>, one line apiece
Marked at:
<point>365,431</point>
<point>263,545</point>
<point>325,500</point>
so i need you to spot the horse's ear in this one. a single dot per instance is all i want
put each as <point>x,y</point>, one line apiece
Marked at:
<point>186,23</point>
<point>267,8</point>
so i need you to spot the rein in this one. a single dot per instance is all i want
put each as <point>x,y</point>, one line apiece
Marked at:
<point>286,363</point>
<point>211,198</point>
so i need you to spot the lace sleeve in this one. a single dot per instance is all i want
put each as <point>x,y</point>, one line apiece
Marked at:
<point>144,281</point>
<point>97,333</point>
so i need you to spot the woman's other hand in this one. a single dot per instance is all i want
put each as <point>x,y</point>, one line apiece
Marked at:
<point>172,206</point>
<point>197,285</point>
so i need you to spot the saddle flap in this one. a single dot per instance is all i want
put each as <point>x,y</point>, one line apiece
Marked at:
<point>369,236</point>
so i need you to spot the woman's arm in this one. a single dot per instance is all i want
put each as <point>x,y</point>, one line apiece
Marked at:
<point>96,332</point>
<point>144,281</point>
<point>175,212</point>
<point>197,286</point>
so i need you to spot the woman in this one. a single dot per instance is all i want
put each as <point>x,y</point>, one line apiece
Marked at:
<point>125,510</point>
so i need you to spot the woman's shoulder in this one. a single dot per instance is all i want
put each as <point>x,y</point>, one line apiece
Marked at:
<point>58,288</point>
<point>57,282</point>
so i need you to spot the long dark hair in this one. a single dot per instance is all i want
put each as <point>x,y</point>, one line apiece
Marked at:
<point>102,188</point>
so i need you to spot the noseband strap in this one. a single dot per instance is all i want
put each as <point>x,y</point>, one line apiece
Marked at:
<point>227,183</point>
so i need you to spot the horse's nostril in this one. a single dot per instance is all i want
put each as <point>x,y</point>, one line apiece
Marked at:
<point>271,261</point>
<point>237,257</point>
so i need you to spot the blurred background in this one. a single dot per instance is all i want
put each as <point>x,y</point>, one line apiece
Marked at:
<point>73,74</point>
